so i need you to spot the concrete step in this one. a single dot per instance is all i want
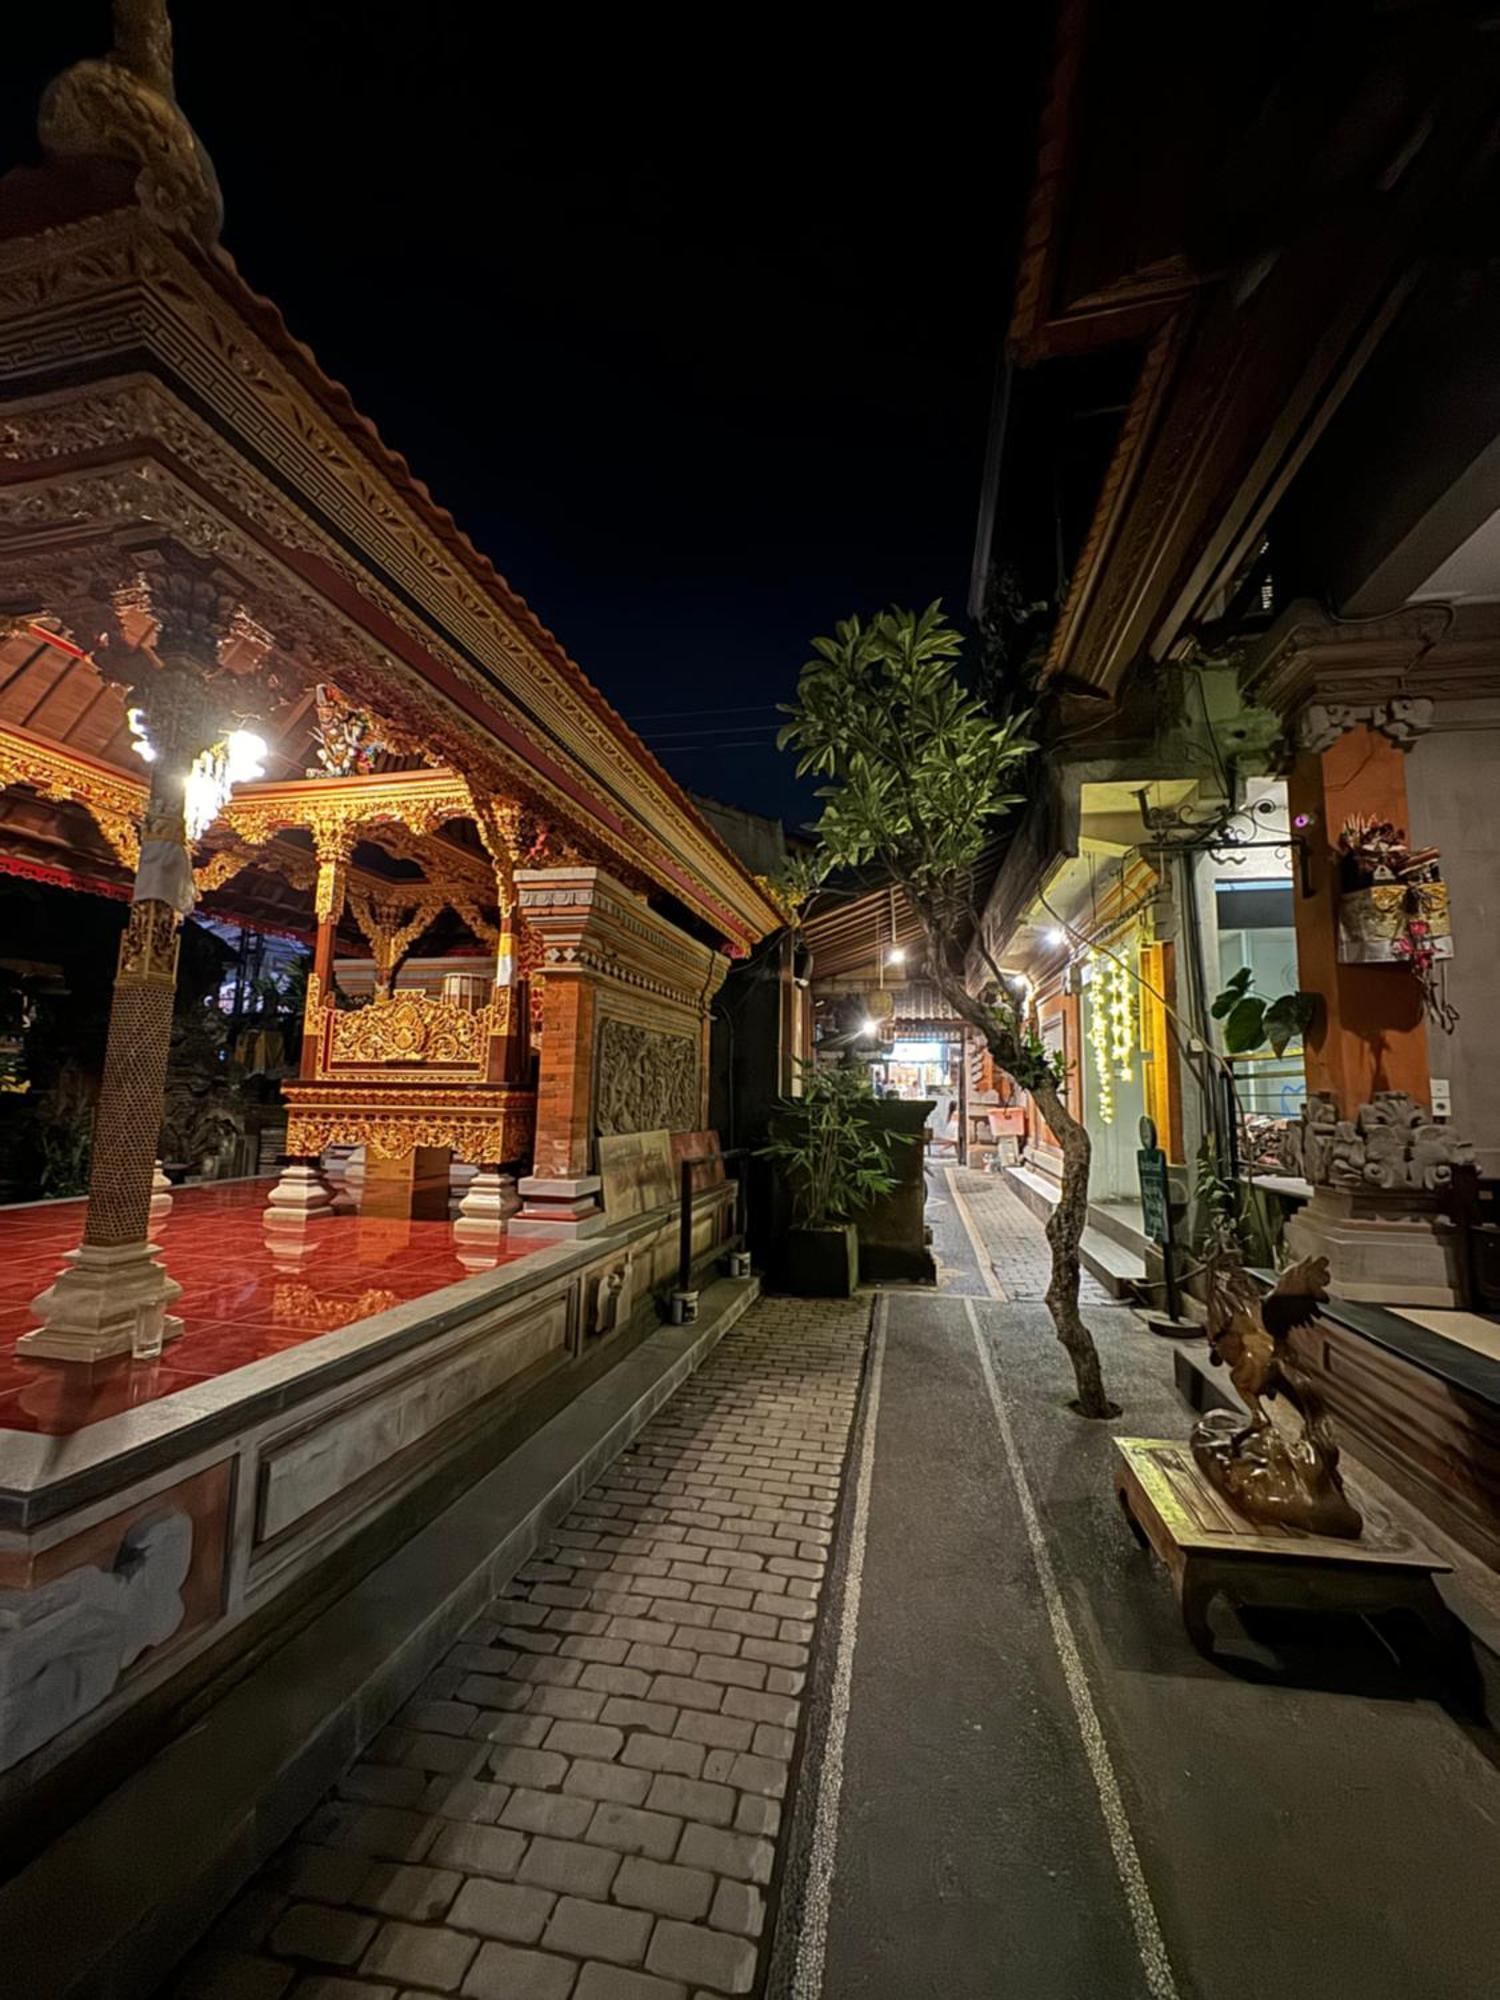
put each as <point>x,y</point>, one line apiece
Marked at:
<point>109,1909</point>
<point>1119,1269</point>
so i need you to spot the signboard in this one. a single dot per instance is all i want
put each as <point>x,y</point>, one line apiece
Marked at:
<point>1151,1167</point>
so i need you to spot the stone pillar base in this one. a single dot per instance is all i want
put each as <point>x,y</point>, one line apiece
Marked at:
<point>299,1197</point>
<point>559,1208</point>
<point>461,1176</point>
<point>92,1309</point>
<point>161,1197</point>
<point>337,1167</point>
<point>1382,1249</point>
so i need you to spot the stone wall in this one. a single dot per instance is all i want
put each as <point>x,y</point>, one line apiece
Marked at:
<point>1452,774</point>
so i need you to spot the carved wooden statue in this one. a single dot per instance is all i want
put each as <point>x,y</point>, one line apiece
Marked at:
<point>1265,1475</point>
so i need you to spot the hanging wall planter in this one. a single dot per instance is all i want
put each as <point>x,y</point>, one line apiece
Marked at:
<point>1393,909</point>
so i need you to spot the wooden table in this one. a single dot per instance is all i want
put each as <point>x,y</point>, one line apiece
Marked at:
<point>1208,1548</point>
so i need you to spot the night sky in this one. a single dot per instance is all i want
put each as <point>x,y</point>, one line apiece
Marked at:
<point>694,331</point>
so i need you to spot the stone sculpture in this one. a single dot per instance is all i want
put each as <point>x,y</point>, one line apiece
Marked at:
<point>1391,1145</point>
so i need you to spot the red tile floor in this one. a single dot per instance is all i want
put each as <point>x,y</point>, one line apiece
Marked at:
<point>239,1301</point>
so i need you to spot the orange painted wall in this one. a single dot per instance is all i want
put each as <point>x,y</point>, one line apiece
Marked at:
<point>1371,1034</point>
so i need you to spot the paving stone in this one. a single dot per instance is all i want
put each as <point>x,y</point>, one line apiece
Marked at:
<point>641,1631</point>
<point>540,1769</point>
<point>502,1973</point>
<point>490,1693</point>
<point>243,1926</point>
<point>775,1653</point>
<point>616,1680</point>
<point>766,1775</point>
<point>551,1673</point>
<point>535,1641</point>
<point>736,1854</point>
<point>526,1731</point>
<point>757,1815</point>
<point>434,1960</point>
<point>576,1704</point>
<point>665,1890</point>
<point>502,1910</point>
<point>397,1889</point>
<point>686,1693</point>
<point>781,1680</point>
<point>464,1798</point>
<point>704,1639</point>
<point>598,1930</point>
<point>771,1742</point>
<point>479,1850</point>
<point>548,1812</point>
<point>776,1709</point>
<point>663,1753</point>
<point>590,1780</point>
<point>444,1717</point>
<point>629,1830</point>
<point>615,1982</point>
<point>690,1798</point>
<point>730,1673</point>
<point>622,1712</point>
<point>586,1739</point>
<point>718,1732</point>
<point>704,1957</point>
<point>569,1867</point>
<point>738,1907</point>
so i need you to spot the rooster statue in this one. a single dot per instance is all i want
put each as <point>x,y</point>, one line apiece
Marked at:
<point>1264,1474</point>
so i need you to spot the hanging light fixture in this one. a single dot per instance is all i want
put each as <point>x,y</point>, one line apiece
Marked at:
<point>213,775</point>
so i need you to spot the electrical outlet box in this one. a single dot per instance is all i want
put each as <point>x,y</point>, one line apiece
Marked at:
<point>1442,1097</point>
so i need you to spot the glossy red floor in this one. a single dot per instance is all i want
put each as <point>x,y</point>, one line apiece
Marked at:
<point>242,1298</point>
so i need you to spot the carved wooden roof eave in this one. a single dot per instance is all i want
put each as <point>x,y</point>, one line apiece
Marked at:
<point>146,500</point>
<point>243,343</point>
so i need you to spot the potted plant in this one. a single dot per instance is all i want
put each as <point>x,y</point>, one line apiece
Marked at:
<point>1251,1021</point>
<point>835,1162</point>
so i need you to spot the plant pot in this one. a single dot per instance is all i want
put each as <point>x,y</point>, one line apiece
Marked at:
<point>820,1263</point>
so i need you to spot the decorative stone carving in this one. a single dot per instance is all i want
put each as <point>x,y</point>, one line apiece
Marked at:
<point>1401,720</point>
<point>646,1081</point>
<point>1391,1144</point>
<point>64,1645</point>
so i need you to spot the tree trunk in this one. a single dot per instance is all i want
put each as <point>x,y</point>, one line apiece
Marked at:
<point>1064,1231</point>
<point>1065,1225</point>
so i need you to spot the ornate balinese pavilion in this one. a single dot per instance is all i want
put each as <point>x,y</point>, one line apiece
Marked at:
<point>251,670</point>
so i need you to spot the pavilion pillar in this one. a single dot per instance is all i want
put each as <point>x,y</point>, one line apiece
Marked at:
<point>624,1035</point>
<point>114,1295</point>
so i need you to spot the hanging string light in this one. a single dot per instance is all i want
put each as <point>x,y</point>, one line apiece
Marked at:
<point>214,773</point>
<point>1121,1018</point>
<point>1100,1035</point>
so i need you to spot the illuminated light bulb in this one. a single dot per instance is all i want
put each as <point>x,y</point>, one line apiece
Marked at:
<point>896,955</point>
<point>214,773</point>
<point>869,1026</point>
<point>1054,938</point>
<point>140,742</point>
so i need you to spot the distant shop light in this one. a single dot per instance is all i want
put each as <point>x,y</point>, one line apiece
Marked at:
<point>869,1025</point>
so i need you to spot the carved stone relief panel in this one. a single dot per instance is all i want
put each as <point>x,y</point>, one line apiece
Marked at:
<point>644,1080</point>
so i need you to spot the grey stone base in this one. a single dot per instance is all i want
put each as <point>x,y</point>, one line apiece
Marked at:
<point>1381,1249</point>
<point>109,1909</point>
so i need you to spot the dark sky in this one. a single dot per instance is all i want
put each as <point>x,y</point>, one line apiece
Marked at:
<point>693,327</point>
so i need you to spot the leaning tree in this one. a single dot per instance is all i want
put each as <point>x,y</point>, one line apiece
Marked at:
<point>918,770</point>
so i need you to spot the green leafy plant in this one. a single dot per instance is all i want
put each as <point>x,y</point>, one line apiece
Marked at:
<point>1251,1021</point>
<point>919,767</point>
<point>836,1162</point>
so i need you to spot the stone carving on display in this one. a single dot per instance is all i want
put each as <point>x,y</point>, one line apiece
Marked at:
<point>647,1080</point>
<point>64,1645</point>
<point>1391,1145</point>
<point>1400,721</point>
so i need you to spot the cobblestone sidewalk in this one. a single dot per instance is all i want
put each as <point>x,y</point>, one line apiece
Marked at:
<point>583,1803</point>
<point>1015,1240</point>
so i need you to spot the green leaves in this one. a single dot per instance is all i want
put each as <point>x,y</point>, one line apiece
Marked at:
<point>916,763</point>
<point>837,1162</point>
<point>1251,1022</point>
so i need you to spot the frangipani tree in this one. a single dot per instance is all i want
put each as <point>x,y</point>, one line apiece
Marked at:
<point>917,772</point>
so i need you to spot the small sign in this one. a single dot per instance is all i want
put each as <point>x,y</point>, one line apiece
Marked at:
<point>1156,1205</point>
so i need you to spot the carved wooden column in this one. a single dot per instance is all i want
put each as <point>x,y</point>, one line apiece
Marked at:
<point>624,1034</point>
<point>335,846</point>
<point>115,1293</point>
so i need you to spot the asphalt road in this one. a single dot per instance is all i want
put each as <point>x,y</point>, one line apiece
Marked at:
<point>973,1822</point>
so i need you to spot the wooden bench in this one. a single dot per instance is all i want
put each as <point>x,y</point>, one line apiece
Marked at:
<point>1209,1549</point>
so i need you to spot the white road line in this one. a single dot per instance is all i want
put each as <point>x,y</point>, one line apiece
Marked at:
<point>1152,1946</point>
<point>812,1945</point>
<point>986,1263</point>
